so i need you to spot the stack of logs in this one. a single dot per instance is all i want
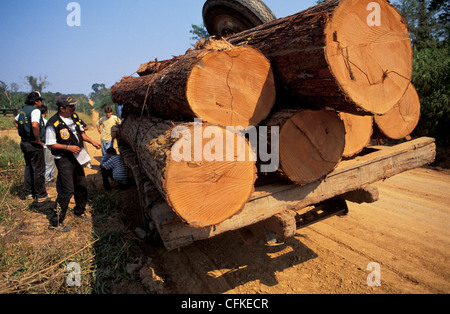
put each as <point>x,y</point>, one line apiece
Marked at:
<point>330,77</point>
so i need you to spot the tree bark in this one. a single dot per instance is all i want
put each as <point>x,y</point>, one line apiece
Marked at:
<point>331,55</point>
<point>229,87</point>
<point>311,143</point>
<point>202,190</point>
<point>401,120</point>
<point>156,66</point>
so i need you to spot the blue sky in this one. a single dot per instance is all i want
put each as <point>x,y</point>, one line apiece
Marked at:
<point>114,38</point>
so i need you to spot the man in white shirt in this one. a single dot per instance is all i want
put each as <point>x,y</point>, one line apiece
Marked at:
<point>31,129</point>
<point>65,137</point>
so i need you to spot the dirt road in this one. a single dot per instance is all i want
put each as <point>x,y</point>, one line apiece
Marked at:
<point>406,233</point>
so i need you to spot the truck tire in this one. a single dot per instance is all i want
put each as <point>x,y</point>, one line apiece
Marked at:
<point>225,17</point>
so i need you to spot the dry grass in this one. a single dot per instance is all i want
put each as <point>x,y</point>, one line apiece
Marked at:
<point>34,259</point>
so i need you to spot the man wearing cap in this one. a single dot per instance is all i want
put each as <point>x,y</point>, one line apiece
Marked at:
<point>31,128</point>
<point>65,137</point>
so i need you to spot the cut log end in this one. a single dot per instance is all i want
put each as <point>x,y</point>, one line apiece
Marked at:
<point>232,87</point>
<point>401,120</point>
<point>311,145</point>
<point>205,193</point>
<point>358,131</point>
<point>369,53</point>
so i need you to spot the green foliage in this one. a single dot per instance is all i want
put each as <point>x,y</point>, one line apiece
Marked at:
<point>37,83</point>
<point>442,9</point>
<point>101,96</point>
<point>9,95</point>
<point>6,123</point>
<point>112,249</point>
<point>422,23</point>
<point>431,71</point>
<point>427,22</point>
<point>12,166</point>
<point>198,32</point>
<point>50,100</point>
<point>11,157</point>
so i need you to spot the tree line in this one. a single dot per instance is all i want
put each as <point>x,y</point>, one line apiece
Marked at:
<point>12,98</point>
<point>429,28</point>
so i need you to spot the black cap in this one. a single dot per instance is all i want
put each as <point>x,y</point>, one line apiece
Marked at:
<point>64,100</point>
<point>32,97</point>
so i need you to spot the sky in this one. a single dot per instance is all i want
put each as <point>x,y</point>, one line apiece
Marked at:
<point>113,39</point>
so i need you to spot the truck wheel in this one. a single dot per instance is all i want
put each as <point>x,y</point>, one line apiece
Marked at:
<point>225,17</point>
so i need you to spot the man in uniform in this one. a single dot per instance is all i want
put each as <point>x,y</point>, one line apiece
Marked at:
<point>31,128</point>
<point>65,137</point>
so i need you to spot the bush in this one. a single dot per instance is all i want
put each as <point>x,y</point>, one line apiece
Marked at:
<point>431,70</point>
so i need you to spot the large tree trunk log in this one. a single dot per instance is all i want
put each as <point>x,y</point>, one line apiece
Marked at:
<point>229,87</point>
<point>311,143</point>
<point>203,193</point>
<point>401,120</point>
<point>358,132</point>
<point>331,55</point>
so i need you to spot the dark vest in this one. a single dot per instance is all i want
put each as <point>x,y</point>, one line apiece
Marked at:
<point>25,129</point>
<point>64,135</point>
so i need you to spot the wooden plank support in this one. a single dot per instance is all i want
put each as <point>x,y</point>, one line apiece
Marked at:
<point>272,199</point>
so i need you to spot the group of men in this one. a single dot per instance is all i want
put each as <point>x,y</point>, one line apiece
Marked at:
<point>64,137</point>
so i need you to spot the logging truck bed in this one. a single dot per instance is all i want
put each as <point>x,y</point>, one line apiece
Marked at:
<point>376,163</point>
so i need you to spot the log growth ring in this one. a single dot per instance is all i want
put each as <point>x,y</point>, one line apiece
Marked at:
<point>207,192</point>
<point>372,63</point>
<point>232,87</point>
<point>401,120</point>
<point>312,143</point>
